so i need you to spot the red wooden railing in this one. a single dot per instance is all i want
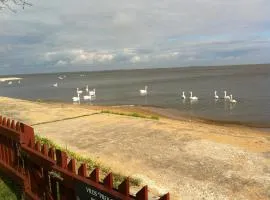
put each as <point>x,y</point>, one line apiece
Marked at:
<point>46,173</point>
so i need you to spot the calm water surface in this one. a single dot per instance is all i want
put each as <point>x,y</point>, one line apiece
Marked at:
<point>250,86</point>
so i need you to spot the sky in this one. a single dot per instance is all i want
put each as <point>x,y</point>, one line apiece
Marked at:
<point>87,35</point>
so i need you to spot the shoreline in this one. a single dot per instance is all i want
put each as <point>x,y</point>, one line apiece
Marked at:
<point>183,116</point>
<point>127,111</point>
<point>169,113</point>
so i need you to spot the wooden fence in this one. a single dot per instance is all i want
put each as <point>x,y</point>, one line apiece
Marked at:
<point>46,173</point>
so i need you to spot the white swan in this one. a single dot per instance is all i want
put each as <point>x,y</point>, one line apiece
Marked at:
<point>10,82</point>
<point>232,100</point>
<point>55,85</point>
<point>216,96</point>
<point>79,91</point>
<point>87,97</point>
<point>144,91</point>
<point>76,99</point>
<point>183,95</point>
<point>92,92</point>
<point>192,97</point>
<point>19,81</point>
<point>225,95</point>
<point>60,77</point>
<point>86,89</point>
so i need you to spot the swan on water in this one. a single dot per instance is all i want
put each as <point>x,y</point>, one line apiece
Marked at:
<point>183,95</point>
<point>87,97</point>
<point>225,95</point>
<point>79,91</point>
<point>216,96</point>
<point>55,85</point>
<point>144,91</point>
<point>192,97</point>
<point>86,89</point>
<point>232,100</point>
<point>76,99</point>
<point>10,82</point>
<point>92,92</point>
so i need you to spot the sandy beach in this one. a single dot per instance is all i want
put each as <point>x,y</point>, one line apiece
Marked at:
<point>187,157</point>
<point>9,79</point>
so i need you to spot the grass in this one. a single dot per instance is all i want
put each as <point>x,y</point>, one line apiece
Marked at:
<point>134,114</point>
<point>8,190</point>
<point>91,164</point>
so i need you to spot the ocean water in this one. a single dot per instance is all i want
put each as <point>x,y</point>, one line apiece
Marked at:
<point>249,85</point>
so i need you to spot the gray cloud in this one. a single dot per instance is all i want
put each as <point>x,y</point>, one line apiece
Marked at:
<point>93,35</point>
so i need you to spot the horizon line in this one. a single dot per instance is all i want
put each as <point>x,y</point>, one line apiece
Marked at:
<point>151,68</point>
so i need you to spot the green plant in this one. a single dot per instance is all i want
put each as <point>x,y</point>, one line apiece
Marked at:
<point>8,190</point>
<point>134,114</point>
<point>155,117</point>
<point>91,164</point>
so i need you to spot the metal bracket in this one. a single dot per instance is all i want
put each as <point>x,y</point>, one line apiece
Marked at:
<point>55,175</point>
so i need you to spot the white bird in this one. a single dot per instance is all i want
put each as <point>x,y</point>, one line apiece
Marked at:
<point>225,95</point>
<point>76,99</point>
<point>232,100</point>
<point>216,96</point>
<point>87,97</point>
<point>10,82</point>
<point>55,85</point>
<point>192,97</point>
<point>79,91</point>
<point>86,89</point>
<point>92,92</point>
<point>183,95</point>
<point>60,77</point>
<point>143,92</point>
<point>19,81</point>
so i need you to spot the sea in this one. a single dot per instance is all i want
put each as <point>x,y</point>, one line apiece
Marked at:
<point>249,86</point>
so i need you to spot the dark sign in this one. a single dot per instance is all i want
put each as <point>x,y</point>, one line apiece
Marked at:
<point>88,192</point>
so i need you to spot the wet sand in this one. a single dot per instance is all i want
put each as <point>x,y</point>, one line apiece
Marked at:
<point>187,157</point>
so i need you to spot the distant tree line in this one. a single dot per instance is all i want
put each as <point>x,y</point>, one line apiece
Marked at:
<point>10,4</point>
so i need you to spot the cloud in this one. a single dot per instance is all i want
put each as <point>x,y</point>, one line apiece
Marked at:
<point>135,59</point>
<point>77,56</point>
<point>61,62</point>
<point>98,34</point>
